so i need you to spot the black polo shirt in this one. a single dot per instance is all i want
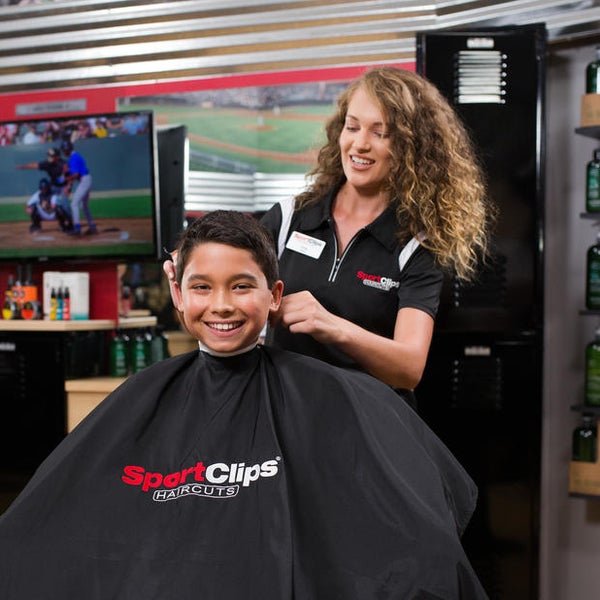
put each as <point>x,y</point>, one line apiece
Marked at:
<point>366,285</point>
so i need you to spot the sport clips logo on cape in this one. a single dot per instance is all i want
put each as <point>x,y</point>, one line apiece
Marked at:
<point>218,480</point>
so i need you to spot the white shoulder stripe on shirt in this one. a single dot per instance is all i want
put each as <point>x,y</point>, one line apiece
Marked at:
<point>409,250</point>
<point>287,210</point>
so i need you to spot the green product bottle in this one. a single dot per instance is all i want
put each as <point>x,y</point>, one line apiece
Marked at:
<point>119,355</point>
<point>141,352</point>
<point>592,184</point>
<point>160,344</point>
<point>592,75</point>
<point>592,371</point>
<point>592,280</point>
<point>585,443</point>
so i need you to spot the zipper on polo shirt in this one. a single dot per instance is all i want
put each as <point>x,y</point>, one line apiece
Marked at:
<point>337,263</point>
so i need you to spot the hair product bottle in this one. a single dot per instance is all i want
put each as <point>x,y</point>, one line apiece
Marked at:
<point>592,280</point>
<point>592,371</point>
<point>66,313</point>
<point>119,354</point>
<point>160,344</point>
<point>53,303</point>
<point>141,353</point>
<point>8,307</point>
<point>59,304</point>
<point>592,184</point>
<point>592,75</point>
<point>585,442</point>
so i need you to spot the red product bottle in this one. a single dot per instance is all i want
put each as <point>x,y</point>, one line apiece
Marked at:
<point>66,314</point>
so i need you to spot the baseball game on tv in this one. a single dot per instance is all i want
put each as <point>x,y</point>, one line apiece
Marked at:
<point>79,187</point>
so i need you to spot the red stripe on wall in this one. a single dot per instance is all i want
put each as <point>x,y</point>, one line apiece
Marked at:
<point>105,98</point>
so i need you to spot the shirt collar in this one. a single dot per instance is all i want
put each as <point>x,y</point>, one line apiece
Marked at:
<point>384,228</point>
<point>208,350</point>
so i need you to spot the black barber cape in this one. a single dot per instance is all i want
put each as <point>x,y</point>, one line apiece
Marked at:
<point>263,476</point>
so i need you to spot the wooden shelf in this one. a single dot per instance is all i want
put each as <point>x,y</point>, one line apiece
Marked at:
<point>584,408</point>
<point>592,131</point>
<point>75,325</point>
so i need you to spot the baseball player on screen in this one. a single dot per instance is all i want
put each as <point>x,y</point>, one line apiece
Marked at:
<point>78,173</point>
<point>46,206</point>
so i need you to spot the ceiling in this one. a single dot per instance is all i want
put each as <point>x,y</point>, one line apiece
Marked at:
<point>80,43</point>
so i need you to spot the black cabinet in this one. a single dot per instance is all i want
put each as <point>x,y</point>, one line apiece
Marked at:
<point>33,369</point>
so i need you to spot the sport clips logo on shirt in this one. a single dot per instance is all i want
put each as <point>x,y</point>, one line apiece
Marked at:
<point>377,281</point>
<point>217,480</point>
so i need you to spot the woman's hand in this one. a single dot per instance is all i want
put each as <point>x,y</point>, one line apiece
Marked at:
<point>302,313</point>
<point>398,362</point>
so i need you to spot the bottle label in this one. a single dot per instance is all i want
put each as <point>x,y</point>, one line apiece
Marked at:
<point>593,294</point>
<point>139,356</point>
<point>592,84</point>
<point>592,374</point>
<point>584,444</point>
<point>592,387</point>
<point>119,366</point>
<point>593,189</point>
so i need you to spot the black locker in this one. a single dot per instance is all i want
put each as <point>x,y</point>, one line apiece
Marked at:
<point>482,389</point>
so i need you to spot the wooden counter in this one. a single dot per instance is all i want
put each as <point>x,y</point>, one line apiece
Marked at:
<point>83,395</point>
<point>181,342</point>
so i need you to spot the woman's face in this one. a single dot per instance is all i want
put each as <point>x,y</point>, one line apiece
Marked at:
<point>365,144</point>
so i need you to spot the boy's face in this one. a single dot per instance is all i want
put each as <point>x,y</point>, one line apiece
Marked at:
<point>224,297</point>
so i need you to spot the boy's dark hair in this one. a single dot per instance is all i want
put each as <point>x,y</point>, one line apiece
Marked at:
<point>232,228</point>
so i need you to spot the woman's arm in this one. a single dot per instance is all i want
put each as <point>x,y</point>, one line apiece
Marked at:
<point>399,362</point>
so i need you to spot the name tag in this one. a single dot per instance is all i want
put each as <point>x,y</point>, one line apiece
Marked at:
<point>304,244</point>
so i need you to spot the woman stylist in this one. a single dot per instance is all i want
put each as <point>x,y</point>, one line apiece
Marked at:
<point>396,198</point>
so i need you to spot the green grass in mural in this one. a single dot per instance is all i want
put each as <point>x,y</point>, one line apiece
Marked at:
<point>249,136</point>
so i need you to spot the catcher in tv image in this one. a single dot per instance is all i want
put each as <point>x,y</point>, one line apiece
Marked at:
<point>44,206</point>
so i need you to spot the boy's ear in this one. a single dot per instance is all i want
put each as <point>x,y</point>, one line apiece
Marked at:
<point>276,295</point>
<point>176,296</point>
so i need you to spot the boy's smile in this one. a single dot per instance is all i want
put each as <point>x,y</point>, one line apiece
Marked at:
<point>224,297</point>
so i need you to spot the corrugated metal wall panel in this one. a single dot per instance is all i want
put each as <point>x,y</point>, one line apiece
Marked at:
<point>96,42</point>
<point>249,193</point>
<point>49,47</point>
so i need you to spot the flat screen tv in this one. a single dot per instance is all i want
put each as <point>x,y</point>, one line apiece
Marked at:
<point>112,154</point>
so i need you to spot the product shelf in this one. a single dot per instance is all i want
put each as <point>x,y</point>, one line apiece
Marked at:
<point>590,215</point>
<point>584,408</point>
<point>592,131</point>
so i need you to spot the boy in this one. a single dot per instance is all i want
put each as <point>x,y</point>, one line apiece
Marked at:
<point>241,472</point>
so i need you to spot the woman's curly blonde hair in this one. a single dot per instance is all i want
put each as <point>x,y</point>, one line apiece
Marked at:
<point>435,181</point>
